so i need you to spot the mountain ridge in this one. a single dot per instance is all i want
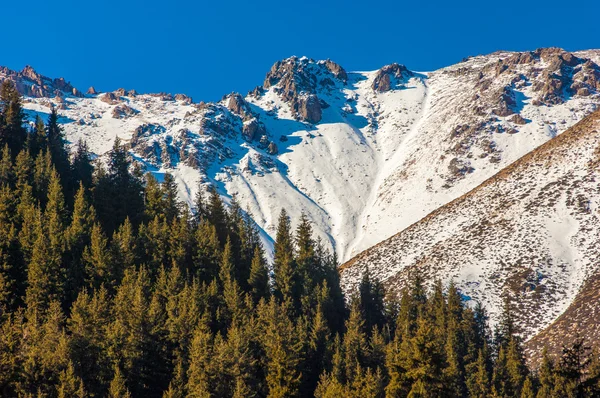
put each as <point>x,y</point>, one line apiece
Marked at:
<point>317,130</point>
<point>543,285</point>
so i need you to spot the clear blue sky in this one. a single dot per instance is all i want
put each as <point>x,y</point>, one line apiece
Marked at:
<point>210,48</point>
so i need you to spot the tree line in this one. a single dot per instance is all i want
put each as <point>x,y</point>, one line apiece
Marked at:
<point>112,287</point>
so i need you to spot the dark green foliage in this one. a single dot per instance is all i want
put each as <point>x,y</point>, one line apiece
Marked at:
<point>109,287</point>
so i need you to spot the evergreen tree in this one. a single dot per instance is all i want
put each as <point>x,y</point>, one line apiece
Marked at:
<point>259,277</point>
<point>39,141</point>
<point>12,132</point>
<point>371,295</point>
<point>71,386</point>
<point>217,215</point>
<point>172,206</point>
<point>58,151</point>
<point>98,262</point>
<point>82,168</point>
<point>118,388</point>
<point>284,265</point>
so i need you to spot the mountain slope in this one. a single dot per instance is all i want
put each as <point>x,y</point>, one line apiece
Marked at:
<point>531,232</point>
<point>363,155</point>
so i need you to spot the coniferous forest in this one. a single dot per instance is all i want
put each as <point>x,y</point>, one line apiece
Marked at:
<point>111,287</point>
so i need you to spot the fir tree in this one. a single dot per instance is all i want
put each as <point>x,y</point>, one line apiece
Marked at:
<point>259,277</point>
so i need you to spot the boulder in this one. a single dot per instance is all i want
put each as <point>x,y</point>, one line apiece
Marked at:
<point>518,119</point>
<point>383,79</point>
<point>109,98</point>
<point>123,111</point>
<point>583,91</point>
<point>272,148</point>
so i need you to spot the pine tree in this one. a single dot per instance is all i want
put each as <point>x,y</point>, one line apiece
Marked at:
<point>309,274</point>
<point>6,167</point>
<point>478,380</point>
<point>527,391</point>
<point>284,266</point>
<point>45,274</point>
<point>217,215</point>
<point>71,386</point>
<point>546,376</point>
<point>172,206</point>
<point>90,314</point>
<point>39,142</point>
<point>371,295</point>
<point>78,236</point>
<point>118,388</point>
<point>23,169</point>
<point>58,150</point>
<point>153,198</point>
<point>12,132</point>
<point>199,372</point>
<point>82,168</point>
<point>98,262</point>
<point>206,252</point>
<point>283,345</point>
<point>124,248</point>
<point>259,277</point>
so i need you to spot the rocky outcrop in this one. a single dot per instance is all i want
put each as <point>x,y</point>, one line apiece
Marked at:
<point>252,129</point>
<point>33,84</point>
<point>110,98</point>
<point>505,103</point>
<point>183,98</point>
<point>337,70</point>
<point>309,108</point>
<point>554,74</point>
<point>299,80</point>
<point>91,91</point>
<point>272,148</point>
<point>238,105</point>
<point>389,77</point>
<point>123,111</point>
<point>518,119</point>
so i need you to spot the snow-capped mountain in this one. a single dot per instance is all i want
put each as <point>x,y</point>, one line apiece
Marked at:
<point>531,232</point>
<point>363,155</point>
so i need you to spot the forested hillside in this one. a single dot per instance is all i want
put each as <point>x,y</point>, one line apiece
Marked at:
<point>109,286</point>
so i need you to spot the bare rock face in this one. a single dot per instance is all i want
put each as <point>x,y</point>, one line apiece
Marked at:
<point>337,70</point>
<point>183,98</point>
<point>77,93</point>
<point>123,111</point>
<point>299,81</point>
<point>91,91</point>
<point>383,79</point>
<point>257,92</point>
<point>110,98</point>
<point>33,84</point>
<point>132,93</point>
<point>309,108</point>
<point>506,102</point>
<point>252,129</point>
<point>518,119</point>
<point>238,105</point>
<point>120,92</point>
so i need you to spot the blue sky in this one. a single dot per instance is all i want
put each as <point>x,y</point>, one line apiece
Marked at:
<point>207,49</point>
